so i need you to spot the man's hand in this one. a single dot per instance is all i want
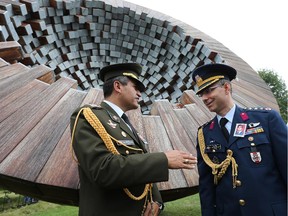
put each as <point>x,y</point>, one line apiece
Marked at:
<point>152,209</point>
<point>180,160</point>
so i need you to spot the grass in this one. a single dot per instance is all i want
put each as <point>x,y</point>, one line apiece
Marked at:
<point>182,207</point>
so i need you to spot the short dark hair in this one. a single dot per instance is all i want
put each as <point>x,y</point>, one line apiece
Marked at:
<point>108,85</point>
<point>223,81</point>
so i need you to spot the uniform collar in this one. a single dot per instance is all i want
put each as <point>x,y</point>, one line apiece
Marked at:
<point>229,116</point>
<point>117,109</point>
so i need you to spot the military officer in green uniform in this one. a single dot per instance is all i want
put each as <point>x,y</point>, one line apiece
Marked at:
<point>117,175</point>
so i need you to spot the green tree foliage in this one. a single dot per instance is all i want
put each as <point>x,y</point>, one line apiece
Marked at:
<point>278,88</point>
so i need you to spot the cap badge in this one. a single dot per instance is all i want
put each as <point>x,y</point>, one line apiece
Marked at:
<point>199,80</point>
<point>130,75</point>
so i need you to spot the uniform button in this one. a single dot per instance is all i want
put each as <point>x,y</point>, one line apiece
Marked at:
<point>238,183</point>
<point>127,152</point>
<point>242,202</point>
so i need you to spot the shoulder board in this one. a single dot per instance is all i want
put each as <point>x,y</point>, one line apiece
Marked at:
<point>257,108</point>
<point>94,106</point>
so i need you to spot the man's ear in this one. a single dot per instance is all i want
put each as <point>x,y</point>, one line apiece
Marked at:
<point>117,86</point>
<point>227,87</point>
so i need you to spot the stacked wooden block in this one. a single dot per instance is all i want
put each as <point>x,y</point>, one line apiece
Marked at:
<point>77,38</point>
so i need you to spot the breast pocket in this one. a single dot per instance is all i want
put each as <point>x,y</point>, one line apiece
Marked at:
<point>127,147</point>
<point>215,151</point>
<point>254,150</point>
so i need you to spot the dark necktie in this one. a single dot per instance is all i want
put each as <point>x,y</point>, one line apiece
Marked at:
<point>224,130</point>
<point>125,118</point>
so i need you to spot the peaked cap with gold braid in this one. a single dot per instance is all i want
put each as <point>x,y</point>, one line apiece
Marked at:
<point>131,70</point>
<point>206,75</point>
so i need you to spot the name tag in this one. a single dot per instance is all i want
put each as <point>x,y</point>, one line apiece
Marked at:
<point>127,142</point>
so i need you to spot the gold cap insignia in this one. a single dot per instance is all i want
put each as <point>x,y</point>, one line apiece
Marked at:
<point>130,75</point>
<point>199,80</point>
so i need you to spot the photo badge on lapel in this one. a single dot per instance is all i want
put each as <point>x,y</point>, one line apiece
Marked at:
<point>240,130</point>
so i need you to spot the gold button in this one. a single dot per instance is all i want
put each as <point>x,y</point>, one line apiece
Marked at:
<point>127,152</point>
<point>250,138</point>
<point>238,183</point>
<point>242,202</point>
<point>252,144</point>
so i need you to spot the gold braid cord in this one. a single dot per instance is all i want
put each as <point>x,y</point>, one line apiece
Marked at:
<point>99,128</point>
<point>218,170</point>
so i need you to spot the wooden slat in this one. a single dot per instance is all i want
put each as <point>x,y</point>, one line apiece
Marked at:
<point>31,5</point>
<point>158,141</point>
<point>22,79</point>
<point>176,133</point>
<point>12,102</point>
<point>14,128</point>
<point>11,51</point>
<point>11,70</point>
<point>62,163</point>
<point>197,114</point>
<point>61,170</point>
<point>3,63</point>
<point>189,96</point>
<point>135,117</point>
<point>48,78</point>
<point>18,8</point>
<point>37,146</point>
<point>189,125</point>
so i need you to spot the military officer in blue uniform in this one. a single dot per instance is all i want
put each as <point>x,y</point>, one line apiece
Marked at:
<point>117,174</point>
<point>242,161</point>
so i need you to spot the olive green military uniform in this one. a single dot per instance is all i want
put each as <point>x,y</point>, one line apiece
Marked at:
<point>103,175</point>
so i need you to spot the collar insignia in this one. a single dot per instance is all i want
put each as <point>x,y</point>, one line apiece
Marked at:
<point>115,118</point>
<point>244,116</point>
<point>111,124</point>
<point>212,125</point>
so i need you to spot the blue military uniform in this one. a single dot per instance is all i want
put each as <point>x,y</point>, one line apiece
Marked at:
<point>246,175</point>
<point>261,184</point>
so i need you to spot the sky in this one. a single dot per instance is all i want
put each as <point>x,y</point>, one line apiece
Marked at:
<point>255,30</point>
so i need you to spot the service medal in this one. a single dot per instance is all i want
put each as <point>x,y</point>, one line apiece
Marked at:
<point>256,157</point>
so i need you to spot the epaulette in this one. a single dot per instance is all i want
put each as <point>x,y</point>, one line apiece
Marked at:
<point>257,108</point>
<point>94,106</point>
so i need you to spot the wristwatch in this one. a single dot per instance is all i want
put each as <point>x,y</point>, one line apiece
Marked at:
<point>161,205</point>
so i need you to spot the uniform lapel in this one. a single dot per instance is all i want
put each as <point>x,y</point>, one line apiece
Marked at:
<point>238,118</point>
<point>215,132</point>
<point>117,119</point>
